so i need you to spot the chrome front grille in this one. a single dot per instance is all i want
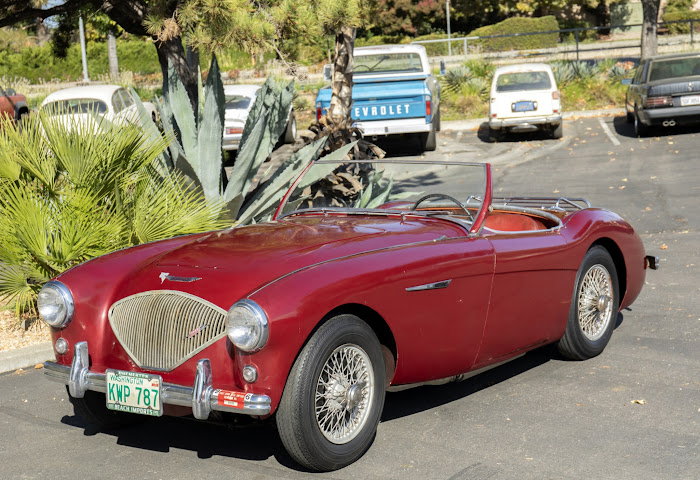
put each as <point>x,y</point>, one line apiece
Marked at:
<point>162,329</point>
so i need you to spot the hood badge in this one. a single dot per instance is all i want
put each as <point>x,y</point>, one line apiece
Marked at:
<point>196,332</point>
<point>166,276</point>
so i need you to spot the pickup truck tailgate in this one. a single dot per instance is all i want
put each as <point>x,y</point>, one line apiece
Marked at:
<point>391,100</point>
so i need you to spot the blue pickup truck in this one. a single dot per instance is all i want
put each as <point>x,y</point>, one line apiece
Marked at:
<point>393,93</point>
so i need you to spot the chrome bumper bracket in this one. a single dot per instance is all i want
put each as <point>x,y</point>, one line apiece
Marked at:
<point>200,397</point>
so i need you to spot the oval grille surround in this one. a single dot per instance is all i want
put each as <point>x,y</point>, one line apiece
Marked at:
<point>162,329</point>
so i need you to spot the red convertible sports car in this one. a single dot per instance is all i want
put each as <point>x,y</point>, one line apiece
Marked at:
<point>367,277</point>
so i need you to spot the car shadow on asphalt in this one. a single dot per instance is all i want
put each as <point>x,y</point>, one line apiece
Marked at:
<point>511,137</point>
<point>418,399</point>
<point>258,440</point>
<point>625,129</point>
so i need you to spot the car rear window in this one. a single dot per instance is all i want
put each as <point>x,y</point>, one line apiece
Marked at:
<point>513,82</point>
<point>237,102</point>
<point>76,106</point>
<point>389,62</point>
<point>676,67</point>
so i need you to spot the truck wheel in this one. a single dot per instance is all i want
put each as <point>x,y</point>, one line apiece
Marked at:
<point>93,409</point>
<point>594,307</point>
<point>437,120</point>
<point>558,131</point>
<point>430,138</point>
<point>331,405</point>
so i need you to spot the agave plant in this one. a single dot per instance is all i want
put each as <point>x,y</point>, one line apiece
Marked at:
<point>68,194</point>
<point>454,78</point>
<point>563,72</point>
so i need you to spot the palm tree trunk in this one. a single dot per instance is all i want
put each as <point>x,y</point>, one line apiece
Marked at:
<point>341,83</point>
<point>649,26</point>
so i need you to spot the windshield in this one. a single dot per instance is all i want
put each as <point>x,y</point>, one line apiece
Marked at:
<point>389,62</point>
<point>237,102</point>
<point>513,82</point>
<point>76,106</point>
<point>677,67</point>
<point>451,189</point>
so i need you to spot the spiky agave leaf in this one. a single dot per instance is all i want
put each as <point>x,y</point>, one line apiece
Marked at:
<point>210,135</point>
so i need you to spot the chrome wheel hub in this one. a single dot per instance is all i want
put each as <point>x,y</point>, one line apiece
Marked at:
<point>595,302</point>
<point>344,394</point>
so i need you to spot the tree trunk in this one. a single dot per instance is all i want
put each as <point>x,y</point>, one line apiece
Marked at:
<point>649,25</point>
<point>341,82</point>
<point>112,55</point>
<point>173,50</point>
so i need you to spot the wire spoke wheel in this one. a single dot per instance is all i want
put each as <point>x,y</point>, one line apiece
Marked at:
<point>595,302</point>
<point>344,393</point>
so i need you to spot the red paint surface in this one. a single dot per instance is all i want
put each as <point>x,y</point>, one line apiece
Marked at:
<point>509,292</point>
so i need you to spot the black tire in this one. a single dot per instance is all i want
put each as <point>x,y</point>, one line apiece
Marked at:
<point>629,117</point>
<point>640,130</point>
<point>290,133</point>
<point>430,138</point>
<point>438,125</point>
<point>93,409</point>
<point>596,297</point>
<point>558,131</point>
<point>300,426</point>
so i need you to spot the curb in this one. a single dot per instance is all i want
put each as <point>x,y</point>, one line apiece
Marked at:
<point>475,123</point>
<point>25,357</point>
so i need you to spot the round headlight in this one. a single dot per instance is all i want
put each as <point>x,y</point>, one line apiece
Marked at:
<point>247,326</point>
<point>55,304</point>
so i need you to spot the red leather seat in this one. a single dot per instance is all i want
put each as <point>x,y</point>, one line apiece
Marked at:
<point>512,222</point>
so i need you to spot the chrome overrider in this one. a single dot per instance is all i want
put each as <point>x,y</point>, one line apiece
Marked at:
<point>202,397</point>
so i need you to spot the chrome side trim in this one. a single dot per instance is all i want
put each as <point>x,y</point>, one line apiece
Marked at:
<point>205,401</point>
<point>430,286</point>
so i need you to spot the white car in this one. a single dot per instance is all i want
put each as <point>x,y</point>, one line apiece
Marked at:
<point>524,98</point>
<point>111,102</point>
<point>239,101</point>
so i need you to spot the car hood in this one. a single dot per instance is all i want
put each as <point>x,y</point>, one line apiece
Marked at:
<point>247,258</point>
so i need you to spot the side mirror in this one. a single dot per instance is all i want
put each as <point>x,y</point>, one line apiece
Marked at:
<point>627,81</point>
<point>443,67</point>
<point>327,71</point>
<point>10,92</point>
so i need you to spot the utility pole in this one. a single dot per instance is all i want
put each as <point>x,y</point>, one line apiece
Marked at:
<point>449,44</point>
<point>82,49</point>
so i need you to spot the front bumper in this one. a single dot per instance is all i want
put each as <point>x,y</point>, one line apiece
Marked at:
<point>201,397</point>
<point>524,123</point>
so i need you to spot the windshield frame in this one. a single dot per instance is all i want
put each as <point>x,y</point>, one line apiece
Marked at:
<point>478,218</point>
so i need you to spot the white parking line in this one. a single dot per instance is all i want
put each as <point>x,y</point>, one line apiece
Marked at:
<point>608,132</point>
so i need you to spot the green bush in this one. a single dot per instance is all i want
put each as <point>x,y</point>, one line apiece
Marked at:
<point>680,27</point>
<point>518,25</point>
<point>38,62</point>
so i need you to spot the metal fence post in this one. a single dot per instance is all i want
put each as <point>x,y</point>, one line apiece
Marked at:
<point>576,37</point>
<point>466,52</point>
<point>691,31</point>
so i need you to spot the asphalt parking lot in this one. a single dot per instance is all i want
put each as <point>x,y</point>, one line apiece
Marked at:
<point>631,413</point>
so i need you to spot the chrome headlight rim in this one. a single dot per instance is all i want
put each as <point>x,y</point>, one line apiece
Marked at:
<point>68,303</point>
<point>262,323</point>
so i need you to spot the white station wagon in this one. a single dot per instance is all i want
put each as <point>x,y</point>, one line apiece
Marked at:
<point>524,98</point>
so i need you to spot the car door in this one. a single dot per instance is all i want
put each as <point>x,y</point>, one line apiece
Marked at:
<point>532,287</point>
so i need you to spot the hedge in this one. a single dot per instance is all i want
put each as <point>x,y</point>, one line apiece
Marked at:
<point>680,27</point>
<point>518,25</point>
<point>37,63</point>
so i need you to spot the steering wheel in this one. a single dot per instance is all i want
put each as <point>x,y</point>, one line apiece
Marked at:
<point>442,195</point>
<point>357,67</point>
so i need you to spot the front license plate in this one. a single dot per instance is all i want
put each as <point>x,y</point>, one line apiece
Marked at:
<point>690,100</point>
<point>524,106</point>
<point>134,392</point>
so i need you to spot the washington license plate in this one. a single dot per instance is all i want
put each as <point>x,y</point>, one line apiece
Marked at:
<point>524,106</point>
<point>134,392</point>
<point>688,100</point>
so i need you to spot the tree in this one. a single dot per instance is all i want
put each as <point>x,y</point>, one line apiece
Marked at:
<point>650,10</point>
